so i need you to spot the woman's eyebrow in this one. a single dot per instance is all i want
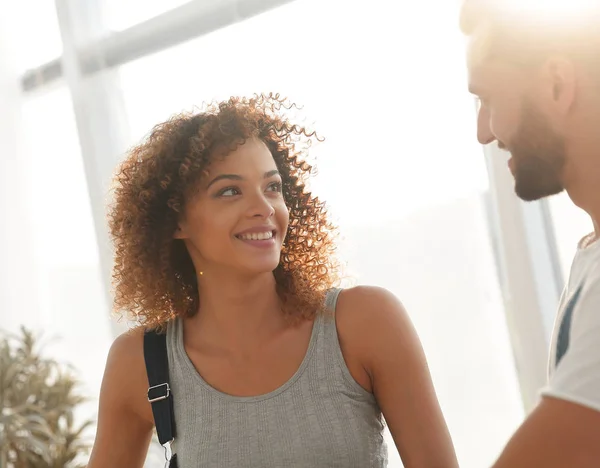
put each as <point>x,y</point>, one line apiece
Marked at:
<point>239,177</point>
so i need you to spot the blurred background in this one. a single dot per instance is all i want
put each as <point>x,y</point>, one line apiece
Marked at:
<point>423,209</point>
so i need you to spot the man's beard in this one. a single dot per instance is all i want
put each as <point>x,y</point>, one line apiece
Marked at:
<point>538,154</point>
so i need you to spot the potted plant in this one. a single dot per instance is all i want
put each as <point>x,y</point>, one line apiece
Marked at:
<point>38,399</point>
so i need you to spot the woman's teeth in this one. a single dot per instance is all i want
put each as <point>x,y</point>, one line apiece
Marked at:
<point>257,236</point>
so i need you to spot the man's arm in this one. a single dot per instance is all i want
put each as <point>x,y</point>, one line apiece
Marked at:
<point>564,430</point>
<point>557,434</point>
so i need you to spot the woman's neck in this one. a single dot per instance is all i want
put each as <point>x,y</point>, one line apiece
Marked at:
<point>235,312</point>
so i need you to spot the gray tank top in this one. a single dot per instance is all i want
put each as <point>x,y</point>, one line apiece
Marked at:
<point>321,417</point>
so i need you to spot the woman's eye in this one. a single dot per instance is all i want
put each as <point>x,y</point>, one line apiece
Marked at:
<point>275,187</point>
<point>229,192</point>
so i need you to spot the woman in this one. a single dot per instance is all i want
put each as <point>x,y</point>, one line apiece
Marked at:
<point>219,243</point>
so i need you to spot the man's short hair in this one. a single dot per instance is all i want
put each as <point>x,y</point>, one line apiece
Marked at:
<point>524,34</point>
<point>472,14</point>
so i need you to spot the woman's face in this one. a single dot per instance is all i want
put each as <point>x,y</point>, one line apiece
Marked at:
<point>237,219</point>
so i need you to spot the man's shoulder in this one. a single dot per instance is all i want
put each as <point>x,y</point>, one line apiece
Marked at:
<point>584,280</point>
<point>589,240</point>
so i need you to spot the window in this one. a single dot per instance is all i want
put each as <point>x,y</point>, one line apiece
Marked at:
<point>33,27</point>
<point>122,14</point>
<point>570,225</point>
<point>400,169</point>
<point>73,303</point>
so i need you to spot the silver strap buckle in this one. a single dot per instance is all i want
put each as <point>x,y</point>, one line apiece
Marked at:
<point>160,397</point>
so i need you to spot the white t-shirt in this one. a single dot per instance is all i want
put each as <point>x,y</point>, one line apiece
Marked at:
<point>574,364</point>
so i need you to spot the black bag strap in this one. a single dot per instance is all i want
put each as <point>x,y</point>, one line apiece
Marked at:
<point>159,391</point>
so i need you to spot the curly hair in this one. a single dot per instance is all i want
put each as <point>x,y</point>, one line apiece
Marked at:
<point>154,279</point>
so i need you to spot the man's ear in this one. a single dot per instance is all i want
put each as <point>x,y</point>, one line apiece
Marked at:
<point>561,79</point>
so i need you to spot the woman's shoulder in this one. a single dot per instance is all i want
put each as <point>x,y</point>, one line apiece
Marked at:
<point>367,304</point>
<point>369,316</point>
<point>125,377</point>
<point>127,349</point>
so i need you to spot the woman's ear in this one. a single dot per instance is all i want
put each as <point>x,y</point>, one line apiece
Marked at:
<point>179,232</point>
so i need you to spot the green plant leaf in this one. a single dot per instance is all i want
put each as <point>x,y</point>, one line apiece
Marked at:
<point>38,399</point>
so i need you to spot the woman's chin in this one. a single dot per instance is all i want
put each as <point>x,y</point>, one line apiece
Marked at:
<point>259,267</point>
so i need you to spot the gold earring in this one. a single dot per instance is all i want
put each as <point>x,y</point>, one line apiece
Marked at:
<point>200,273</point>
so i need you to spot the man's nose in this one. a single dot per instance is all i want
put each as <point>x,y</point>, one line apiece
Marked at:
<point>484,132</point>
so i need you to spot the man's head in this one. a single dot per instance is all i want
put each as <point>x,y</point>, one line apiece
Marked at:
<point>534,77</point>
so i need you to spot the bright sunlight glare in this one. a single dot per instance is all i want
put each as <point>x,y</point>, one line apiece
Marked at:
<point>552,9</point>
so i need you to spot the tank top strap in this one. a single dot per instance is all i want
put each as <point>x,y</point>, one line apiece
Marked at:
<point>337,370</point>
<point>331,299</point>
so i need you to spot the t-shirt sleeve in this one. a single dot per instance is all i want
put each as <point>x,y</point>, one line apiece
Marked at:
<point>576,378</point>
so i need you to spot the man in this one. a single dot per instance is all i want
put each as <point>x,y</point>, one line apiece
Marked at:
<point>537,77</point>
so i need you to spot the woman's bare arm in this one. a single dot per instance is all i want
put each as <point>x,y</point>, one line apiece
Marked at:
<point>125,421</point>
<point>379,333</point>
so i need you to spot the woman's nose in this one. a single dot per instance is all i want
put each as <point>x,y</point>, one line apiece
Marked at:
<point>261,207</point>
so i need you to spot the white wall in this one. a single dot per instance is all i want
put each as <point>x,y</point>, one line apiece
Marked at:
<point>49,267</point>
<point>19,299</point>
<point>570,225</point>
<point>440,263</point>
